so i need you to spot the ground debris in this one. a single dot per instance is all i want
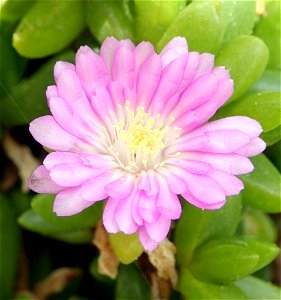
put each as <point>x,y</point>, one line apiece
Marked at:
<point>22,157</point>
<point>107,262</point>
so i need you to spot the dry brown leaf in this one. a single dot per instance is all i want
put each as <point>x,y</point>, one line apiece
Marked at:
<point>107,262</point>
<point>161,288</point>
<point>163,259</point>
<point>22,157</point>
<point>55,282</point>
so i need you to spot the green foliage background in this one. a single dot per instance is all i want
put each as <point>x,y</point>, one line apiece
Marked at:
<point>223,254</point>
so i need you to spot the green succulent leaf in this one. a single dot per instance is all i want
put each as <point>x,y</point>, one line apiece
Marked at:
<point>9,248</point>
<point>33,222</point>
<point>19,107</point>
<point>269,81</point>
<point>48,27</point>
<point>200,24</point>
<point>115,20</point>
<point>255,288</point>
<point>10,67</point>
<point>197,226</point>
<point>262,186</point>
<point>257,224</point>
<point>246,58</point>
<point>210,260</point>
<point>131,251</point>
<point>195,289</point>
<point>268,29</point>
<point>14,10</point>
<point>42,205</point>
<point>154,17</point>
<point>267,251</point>
<point>264,107</point>
<point>131,284</point>
<point>239,17</point>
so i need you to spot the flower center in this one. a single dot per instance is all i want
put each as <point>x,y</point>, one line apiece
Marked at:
<point>142,133</point>
<point>136,140</point>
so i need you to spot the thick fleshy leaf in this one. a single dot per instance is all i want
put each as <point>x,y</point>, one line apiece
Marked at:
<point>255,288</point>
<point>132,250</point>
<point>239,17</point>
<point>264,107</point>
<point>33,222</point>
<point>209,261</point>
<point>137,289</point>
<point>48,27</point>
<point>269,81</point>
<point>10,247</point>
<point>268,29</point>
<point>154,17</point>
<point>43,206</point>
<point>255,223</point>
<point>262,186</point>
<point>199,24</point>
<point>13,10</point>
<point>115,19</point>
<point>196,226</point>
<point>195,289</point>
<point>246,58</point>
<point>18,108</point>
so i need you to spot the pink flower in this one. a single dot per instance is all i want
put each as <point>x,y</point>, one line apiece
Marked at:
<point>130,126</point>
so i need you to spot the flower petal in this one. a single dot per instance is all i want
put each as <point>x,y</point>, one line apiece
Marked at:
<point>108,217</point>
<point>148,243</point>
<point>47,132</point>
<point>41,182</point>
<point>167,202</point>
<point>158,230</point>
<point>69,202</point>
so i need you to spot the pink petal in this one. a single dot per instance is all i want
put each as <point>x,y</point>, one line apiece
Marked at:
<point>47,132</point>
<point>148,80</point>
<point>142,51</point>
<point>123,67</point>
<point>176,184</point>
<point>51,91</point>
<point>253,148</point>
<point>60,66</point>
<point>230,163</point>
<point>220,141</point>
<point>204,205</point>
<point>197,93</point>
<point>206,64</point>
<point>41,182</point>
<point>190,70</point>
<point>94,189</point>
<point>121,188</point>
<point>148,243</point>
<point>70,202</point>
<point>247,125</point>
<point>108,217</point>
<point>102,102</point>
<point>230,184</point>
<point>174,49</point>
<point>56,158</point>
<point>204,188</point>
<point>64,116</point>
<point>147,207</point>
<point>124,217</point>
<point>158,230</point>
<point>109,47</point>
<point>72,174</point>
<point>167,202</point>
<point>170,80</point>
<point>91,69</point>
